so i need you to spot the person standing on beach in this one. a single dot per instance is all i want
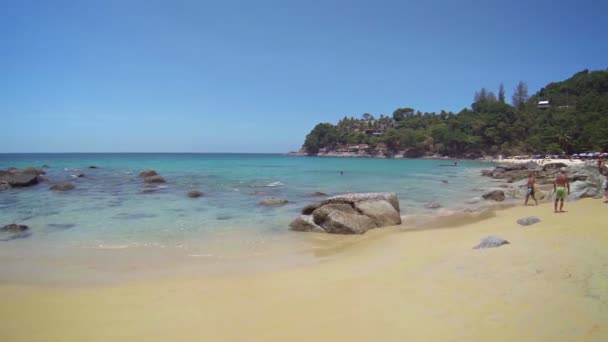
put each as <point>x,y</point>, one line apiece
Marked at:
<point>604,171</point>
<point>601,162</point>
<point>530,193</point>
<point>559,187</point>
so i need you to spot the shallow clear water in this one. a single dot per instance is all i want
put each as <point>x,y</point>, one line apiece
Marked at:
<point>108,206</point>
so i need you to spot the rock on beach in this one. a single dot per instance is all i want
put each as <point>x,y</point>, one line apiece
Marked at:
<point>491,242</point>
<point>353,213</point>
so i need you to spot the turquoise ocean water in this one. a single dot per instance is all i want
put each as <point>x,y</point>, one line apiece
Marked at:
<point>107,230</point>
<point>109,207</point>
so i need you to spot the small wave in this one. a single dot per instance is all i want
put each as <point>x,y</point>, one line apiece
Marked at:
<point>112,246</point>
<point>273,184</point>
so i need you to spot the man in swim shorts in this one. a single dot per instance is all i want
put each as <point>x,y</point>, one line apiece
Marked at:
<point>559,187</point>
<point>530,192</point>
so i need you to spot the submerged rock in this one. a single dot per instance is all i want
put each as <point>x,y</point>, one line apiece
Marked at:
<point>317,194</point>
<point>63,187</point>
<point>195,194</point>
<point>432,205</point>
<point>274,202</point>
<point>527,221</point>
<point>496,195</point>
<point>14,228</point>
<point>491,242</point>
<point>154,179</point>
<point>93,167</point>
<point>14,231</point>
<point>353,213</point>
<point>148,173</point>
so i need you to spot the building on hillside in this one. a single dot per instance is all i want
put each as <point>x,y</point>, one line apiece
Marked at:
<point>543,104</point>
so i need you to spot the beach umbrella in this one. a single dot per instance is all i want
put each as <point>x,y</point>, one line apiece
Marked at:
<point>596,154</point>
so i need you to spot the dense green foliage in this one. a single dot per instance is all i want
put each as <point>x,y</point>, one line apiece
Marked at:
<point>576,121</point>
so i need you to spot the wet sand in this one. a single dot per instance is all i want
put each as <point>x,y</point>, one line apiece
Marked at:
<point>549,284</point>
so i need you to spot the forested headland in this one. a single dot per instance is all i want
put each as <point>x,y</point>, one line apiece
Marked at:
<point>567,117</point>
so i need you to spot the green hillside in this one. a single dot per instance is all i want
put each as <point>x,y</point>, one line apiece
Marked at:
<point>575,119</point>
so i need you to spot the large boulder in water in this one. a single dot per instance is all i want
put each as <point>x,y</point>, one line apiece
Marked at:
<point>305,223</point>
<point>353,213</point>
<point>16,178</point>
<point>338,222</point>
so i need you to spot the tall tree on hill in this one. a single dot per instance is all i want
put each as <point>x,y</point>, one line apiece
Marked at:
<point>401,113</point>
<point>501,93</point>
<point>520,96</point>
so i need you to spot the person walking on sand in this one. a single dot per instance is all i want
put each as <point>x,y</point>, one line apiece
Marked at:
<point>559,187</point>
<point>530,192</point>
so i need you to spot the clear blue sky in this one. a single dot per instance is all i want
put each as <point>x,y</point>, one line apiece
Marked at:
<point>256,76</point>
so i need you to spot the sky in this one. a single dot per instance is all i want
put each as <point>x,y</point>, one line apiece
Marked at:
<point>257,76</point>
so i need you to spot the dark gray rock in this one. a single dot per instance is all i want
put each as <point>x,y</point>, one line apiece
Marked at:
<point>17,178</point>
<point>149,191</point>
<point>553,166</point>
<point>195,194</point>
<point>527,221</point>
<point>338,222</point>
<point>274,202</point>
<point>63,187</point>
<point>495,195</point>
<point>487,173</point>
<point>309,209</point>
<point>491,242</point>
<point>391,197</point>
<point>93,167</point>
<point>317,194</point>
<point>14,228</point>
<point>305,223</point>
<point>14,231</point>
<point>154,179</point>
<point>320,214</point>
<point>148,173</point>
<point>380,211</point>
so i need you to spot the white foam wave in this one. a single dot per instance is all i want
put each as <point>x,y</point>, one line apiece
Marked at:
<point>273,184</point>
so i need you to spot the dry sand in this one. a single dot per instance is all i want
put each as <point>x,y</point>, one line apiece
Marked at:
<point>549,284</point>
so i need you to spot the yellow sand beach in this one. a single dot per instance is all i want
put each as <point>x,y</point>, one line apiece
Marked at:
<point>549,284</point>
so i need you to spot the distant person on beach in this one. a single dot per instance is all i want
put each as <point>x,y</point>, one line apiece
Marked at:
<point>530,193</point>
<point>601,162</point>
<point>604,171</point>
<point>559,187</point>
<point>341,173</point>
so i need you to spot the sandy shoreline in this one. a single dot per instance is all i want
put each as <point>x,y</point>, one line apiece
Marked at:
<point>550,283</point>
